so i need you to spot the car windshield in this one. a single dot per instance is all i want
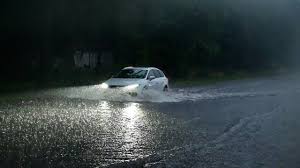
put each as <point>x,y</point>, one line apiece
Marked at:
<point>132,73</point>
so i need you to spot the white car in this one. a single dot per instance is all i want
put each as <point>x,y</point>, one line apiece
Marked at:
<point>136,80</point>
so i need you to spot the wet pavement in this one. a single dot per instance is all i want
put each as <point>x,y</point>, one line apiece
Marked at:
<point>248,123</point>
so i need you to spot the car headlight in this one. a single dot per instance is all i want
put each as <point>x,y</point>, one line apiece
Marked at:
<point>131,87</point>
<point>104,86</point>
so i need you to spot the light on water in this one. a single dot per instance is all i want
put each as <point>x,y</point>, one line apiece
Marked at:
<point>58,125</point>
<point>133,122</point>
<point>132,110</point>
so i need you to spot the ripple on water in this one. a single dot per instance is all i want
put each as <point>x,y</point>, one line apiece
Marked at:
<point>175,95</point>
<point>63,127</point>
<point>67,132</point>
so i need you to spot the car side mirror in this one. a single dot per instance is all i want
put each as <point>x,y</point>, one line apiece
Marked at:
<point>151,78</point>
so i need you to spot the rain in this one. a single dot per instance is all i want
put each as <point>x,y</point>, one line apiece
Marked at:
<point>150,84</point>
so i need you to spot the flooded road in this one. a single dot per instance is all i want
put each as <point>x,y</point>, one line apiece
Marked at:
<point>249,123</point>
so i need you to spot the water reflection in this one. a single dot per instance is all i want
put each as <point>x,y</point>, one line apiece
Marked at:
<point>104,105</point>
<point>124,122</point>
<point>105,110</point>
<point>132,123</point>
<point>132,111</point>
<point>80,132</point>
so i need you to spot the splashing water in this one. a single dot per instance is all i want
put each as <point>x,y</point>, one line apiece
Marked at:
<point>175,95</point>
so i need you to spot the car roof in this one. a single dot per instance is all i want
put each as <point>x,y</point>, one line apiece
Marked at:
<point>143,68</point>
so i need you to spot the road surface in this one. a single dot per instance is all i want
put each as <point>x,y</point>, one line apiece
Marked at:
<point>248,123</point>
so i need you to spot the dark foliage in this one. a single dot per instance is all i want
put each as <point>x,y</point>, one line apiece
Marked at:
<point>185,38</point>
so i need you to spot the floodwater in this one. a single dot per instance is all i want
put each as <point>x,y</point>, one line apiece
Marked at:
<point>249,123</point>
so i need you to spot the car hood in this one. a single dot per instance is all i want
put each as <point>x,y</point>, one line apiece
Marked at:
<point>123,81</point>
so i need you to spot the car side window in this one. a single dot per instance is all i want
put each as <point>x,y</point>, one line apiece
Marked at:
<point>161,73</point>
<point>157,74</point>
<point>151,73</point>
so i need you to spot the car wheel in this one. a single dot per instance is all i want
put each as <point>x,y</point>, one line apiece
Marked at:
<point>165,89</point>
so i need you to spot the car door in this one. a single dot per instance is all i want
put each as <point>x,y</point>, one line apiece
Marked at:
<point>164,79</point>
<point>152,84</point>
<point>159,80</point>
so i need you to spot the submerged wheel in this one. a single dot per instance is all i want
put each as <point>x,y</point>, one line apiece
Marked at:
<point>165,89</point>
